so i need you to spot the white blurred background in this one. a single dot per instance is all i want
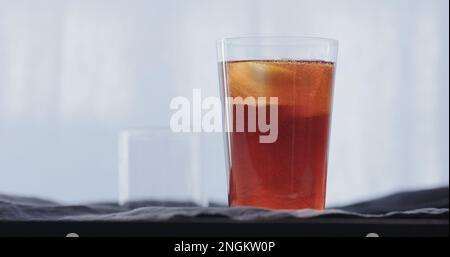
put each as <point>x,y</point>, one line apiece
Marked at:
<point>75,73</point>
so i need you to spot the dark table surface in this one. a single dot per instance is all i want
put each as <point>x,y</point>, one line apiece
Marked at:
<point>418,213</point>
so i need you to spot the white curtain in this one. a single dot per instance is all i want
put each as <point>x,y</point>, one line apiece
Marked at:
<point>75,73</point>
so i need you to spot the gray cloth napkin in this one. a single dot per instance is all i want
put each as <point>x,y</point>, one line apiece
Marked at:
<point>429,204</point>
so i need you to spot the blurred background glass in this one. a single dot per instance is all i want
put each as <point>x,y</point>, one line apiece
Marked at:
<point>75,73</point>
<point>158,165</point>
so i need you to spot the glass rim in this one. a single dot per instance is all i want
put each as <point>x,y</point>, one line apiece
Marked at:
<point>277,40</point>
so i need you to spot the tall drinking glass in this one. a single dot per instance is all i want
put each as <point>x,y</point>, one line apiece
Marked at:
<point>277,96</point>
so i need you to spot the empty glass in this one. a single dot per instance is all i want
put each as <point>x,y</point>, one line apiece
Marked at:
<point>156,164</point>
